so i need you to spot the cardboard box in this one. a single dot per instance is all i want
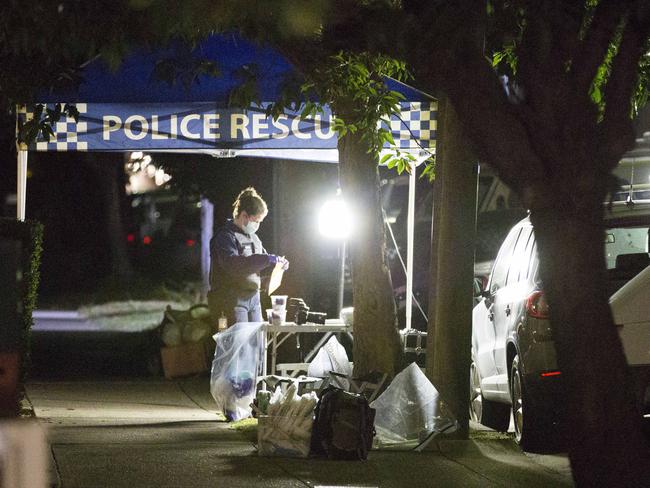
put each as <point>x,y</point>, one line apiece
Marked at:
<point>187,359</point>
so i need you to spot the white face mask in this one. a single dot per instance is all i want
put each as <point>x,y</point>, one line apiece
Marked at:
<point>251,227</point>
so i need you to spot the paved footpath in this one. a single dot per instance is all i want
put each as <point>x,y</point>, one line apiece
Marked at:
<point>157,433</point>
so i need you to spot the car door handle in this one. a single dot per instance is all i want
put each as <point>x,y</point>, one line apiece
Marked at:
<point>508,310</point>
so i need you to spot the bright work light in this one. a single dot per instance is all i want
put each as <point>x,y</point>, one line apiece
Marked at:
<point>334,219</point>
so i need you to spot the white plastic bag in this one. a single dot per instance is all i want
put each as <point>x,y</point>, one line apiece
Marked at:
<point>196,331</point>
<point>409,411</point>
<point>236,364</point>
<point>331,357</point>
<point>172,334</point>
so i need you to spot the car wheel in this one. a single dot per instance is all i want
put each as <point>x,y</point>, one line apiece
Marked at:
<point>528,418</point>
<point>491,414</point>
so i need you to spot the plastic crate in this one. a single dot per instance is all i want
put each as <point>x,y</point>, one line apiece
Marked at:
<point>278,436</point>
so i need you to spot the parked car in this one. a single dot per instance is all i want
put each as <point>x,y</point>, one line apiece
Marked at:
<point>513,356</point>
<point>497,211</point>
<point>165,237</point>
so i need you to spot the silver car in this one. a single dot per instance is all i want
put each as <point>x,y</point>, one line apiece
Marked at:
<point>514,365</point>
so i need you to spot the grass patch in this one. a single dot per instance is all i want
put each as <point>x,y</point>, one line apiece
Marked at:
<point>26,408</point>
<point>127,306</point>
<point>247,427</point>
<point>140,288</point>
<point>490,435</point>
<point>130,316</point>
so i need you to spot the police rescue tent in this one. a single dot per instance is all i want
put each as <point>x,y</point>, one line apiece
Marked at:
<point>136,109</point>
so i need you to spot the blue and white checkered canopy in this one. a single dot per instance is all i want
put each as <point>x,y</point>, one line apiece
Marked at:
<point>130,110</point>
<point>207,127</point>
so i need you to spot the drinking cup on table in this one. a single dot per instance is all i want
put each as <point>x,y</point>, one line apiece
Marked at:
<point>278,317</point>
<point>279,302</point>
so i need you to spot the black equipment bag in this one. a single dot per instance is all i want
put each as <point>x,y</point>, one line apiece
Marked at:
<point>344,425</point>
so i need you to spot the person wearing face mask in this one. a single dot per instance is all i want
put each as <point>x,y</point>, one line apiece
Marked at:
<point>237,258</point>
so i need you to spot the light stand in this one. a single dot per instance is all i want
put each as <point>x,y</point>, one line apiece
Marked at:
<point>335,222</point>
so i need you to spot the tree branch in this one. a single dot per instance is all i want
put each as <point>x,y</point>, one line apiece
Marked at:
<point>542,75</point>
<point>538,59</point>
<point>592,50</point>
<point>617,130</point>
<point>500,137</point>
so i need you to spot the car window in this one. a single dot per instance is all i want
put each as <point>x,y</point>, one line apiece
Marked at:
<point>519,260</point>
<point>533,267</point>
<point>625,240</point>
<point>531,254</point>
<point>500,270</point>
<point>634,178</point>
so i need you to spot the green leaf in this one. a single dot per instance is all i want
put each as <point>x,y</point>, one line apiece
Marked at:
<point>72,111</point>
<point>397,95</point>
<point>429,169</point>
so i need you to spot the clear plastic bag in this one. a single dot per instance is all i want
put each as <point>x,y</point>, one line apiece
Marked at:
<point>236,364</point>
<point>410,411</point>
<point>331,357</point>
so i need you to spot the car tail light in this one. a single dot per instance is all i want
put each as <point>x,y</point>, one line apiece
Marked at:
<point>190,242</point>
<point>130,238</point>
<point>484,282</point>
<point>537,306</point>
<point>550,374</point>
<point>146,240</point>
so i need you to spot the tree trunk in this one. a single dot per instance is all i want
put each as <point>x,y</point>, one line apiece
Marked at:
<point>376,340</point>
<point>604,434</point>
<point>452,270</point>
<point>547,143</point>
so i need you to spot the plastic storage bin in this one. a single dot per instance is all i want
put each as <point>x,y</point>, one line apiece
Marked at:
<point>283,436</point>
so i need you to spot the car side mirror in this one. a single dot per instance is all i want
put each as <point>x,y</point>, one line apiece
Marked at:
<point>487,298</point>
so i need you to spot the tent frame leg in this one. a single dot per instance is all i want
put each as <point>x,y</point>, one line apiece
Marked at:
<point>21,183</point>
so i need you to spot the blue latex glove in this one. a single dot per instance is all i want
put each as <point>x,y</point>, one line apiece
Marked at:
<point>273,259</point>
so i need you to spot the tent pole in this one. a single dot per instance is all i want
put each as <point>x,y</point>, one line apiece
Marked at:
<point>207,224</point>
<point>21,182</point>
<point>409,244</point>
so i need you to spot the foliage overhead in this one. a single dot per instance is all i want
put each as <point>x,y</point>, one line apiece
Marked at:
<point>354,83</point>
<point>508,24</point>
<point>45,44</point>
<point>356,78</point>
